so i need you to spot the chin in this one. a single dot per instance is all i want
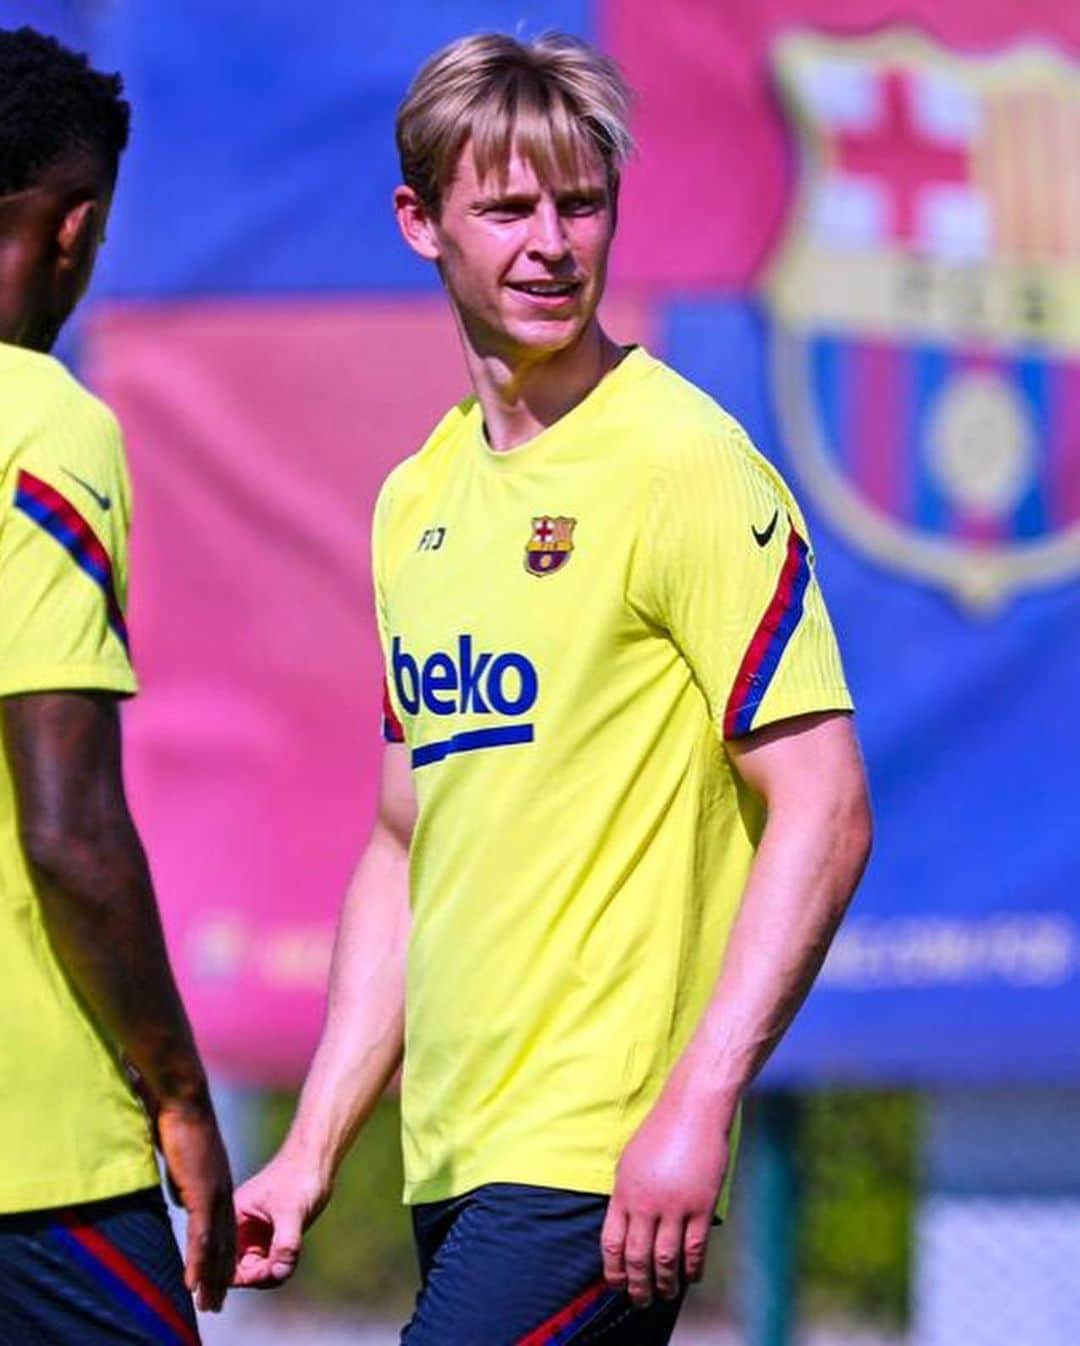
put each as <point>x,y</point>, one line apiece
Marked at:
<point>547,338</point>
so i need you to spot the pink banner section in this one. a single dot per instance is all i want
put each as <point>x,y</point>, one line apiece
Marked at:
<point>259,433</point>
<point>705,200</point>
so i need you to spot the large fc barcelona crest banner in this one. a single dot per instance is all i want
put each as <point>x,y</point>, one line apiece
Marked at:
<point>926,300</point>
<point>880,276</point>
<point>857,226</point>
<point>924,368</point>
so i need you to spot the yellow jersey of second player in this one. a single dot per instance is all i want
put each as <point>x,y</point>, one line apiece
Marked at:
<point>70,1128</point>
<point>572,630</point>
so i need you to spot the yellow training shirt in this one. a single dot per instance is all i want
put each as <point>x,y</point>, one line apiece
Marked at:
<point>571,630</point>
<point>70,1128</point>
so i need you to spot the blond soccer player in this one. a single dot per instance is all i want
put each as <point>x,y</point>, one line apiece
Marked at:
<point>622,807</point>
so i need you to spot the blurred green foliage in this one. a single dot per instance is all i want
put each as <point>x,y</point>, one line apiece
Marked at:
<point>858,1164</point>
<point>360,1249</point>
<point>858,1168</point>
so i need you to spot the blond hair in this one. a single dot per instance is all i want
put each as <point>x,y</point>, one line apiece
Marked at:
<point>553,100</point>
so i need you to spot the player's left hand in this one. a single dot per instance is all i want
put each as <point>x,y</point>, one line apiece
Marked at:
<point>658,1221</point>
<point>198,1170</point>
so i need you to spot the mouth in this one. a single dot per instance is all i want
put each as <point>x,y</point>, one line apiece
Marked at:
<point>552,292</point>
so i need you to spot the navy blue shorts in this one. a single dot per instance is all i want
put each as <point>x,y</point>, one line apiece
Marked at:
<point>510,1265</point>
<point>105,1272</point>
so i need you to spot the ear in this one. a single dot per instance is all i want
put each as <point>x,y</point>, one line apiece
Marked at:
<point>79,234</point>
<point>417,224</point>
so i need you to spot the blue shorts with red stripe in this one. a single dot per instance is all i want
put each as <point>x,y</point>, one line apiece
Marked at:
<point>104,1272</point>
<point>512,1265</point>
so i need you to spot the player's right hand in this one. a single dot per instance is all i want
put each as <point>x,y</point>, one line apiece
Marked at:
<point>198,1171</point>
<point>273,1208</point>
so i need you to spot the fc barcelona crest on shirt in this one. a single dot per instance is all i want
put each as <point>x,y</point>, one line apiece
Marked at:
<point>551,544</point>
<point>926,307</point>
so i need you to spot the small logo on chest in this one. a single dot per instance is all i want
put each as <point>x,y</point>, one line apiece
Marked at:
<point>550,544</point>
<point>431,539</point>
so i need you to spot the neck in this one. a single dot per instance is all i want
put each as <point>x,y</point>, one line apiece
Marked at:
<point>28,330</point>
<point>21,326</point>
<point>28,223</point>
<point>522,397</point>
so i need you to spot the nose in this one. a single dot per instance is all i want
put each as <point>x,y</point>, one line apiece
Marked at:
<point>548,237</point>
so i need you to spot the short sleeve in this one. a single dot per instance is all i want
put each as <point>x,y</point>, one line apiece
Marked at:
<point>392,728</point>
<point>64,517</point>
<point>725,566</point>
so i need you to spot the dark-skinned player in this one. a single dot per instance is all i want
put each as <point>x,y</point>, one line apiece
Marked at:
<point>93,1033</point>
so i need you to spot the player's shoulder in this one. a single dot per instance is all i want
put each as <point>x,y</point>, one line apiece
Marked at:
<point>697,441</point>
<point>414,475</point>
<point>46,409</point>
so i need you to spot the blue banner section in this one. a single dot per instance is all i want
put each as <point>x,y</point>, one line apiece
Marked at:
<point>67,20</point>
<point>278,176</point>
<point>961,956</point>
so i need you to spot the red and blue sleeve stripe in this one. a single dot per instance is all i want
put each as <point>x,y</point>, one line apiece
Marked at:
<point>61,520</point>
<point>770,640</point>
<point>391,726</point>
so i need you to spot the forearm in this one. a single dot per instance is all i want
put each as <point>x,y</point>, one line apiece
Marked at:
<point>93,883</point>
<point>804,874</point>
<point>99,909</point>
<point>363,1036</point>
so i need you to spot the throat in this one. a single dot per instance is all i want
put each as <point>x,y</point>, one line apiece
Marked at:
<point>521,401</point>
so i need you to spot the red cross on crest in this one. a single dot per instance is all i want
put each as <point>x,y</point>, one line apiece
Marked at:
<point>899,155</point>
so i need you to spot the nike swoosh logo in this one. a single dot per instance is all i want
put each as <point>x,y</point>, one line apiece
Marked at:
<point>104,501</point>
<point>762,538</point>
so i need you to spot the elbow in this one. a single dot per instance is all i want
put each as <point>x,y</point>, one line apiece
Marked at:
<point>861,825</point>
<point>47,848</point>
<point>854,837</point>
<point>842,823</point>
<point>69,857</point>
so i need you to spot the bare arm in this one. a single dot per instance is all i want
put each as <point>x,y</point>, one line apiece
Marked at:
<point>98,905</point>
<point>359,1050</point>
<point>812,854</point>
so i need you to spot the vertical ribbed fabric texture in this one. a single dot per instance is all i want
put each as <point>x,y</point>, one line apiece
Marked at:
<point>714,571</point>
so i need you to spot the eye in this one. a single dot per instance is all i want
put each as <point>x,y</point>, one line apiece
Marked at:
<point>505,211</point>
<point>581,205</point>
